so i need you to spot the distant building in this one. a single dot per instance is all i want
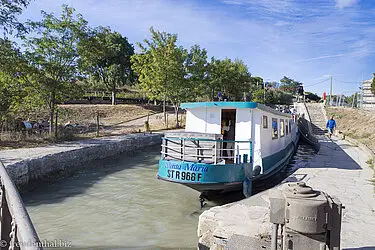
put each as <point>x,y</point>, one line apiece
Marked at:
<point>368,98</point>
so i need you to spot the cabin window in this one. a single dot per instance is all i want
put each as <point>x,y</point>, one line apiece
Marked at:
<point>287,127</point>
<point>265,121</point>
<point>274,128</point>
<point>282,128</point>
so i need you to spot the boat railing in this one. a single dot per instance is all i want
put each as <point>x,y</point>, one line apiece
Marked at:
<point>16,228</point>
<point>213,151</point>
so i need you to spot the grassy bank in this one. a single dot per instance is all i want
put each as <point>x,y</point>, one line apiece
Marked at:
<point>357,124</point>
<point>113,120</point>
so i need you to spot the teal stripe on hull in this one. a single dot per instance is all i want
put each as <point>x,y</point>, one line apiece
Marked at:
<point>201,173</point>
<point>201,176</point>
<point>270,162</point>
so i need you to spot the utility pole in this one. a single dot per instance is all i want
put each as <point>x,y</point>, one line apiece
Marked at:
<point>330,94</point>
<point>354,97</point>
<point>362,98</point>
<point>343,100</point>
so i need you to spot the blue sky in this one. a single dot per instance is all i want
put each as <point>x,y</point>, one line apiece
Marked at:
<point>307,40</point>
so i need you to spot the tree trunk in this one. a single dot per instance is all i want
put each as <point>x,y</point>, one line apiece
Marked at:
<point>176,112</point>
<point>113,95</point>
<point>56,117</point>
<point>164,111</point>
<point>52,111</point>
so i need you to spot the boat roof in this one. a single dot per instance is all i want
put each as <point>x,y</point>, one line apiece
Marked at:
<point>232,105</point>
<point>189,105</point>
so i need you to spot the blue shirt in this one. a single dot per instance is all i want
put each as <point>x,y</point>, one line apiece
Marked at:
<point>331,124</point>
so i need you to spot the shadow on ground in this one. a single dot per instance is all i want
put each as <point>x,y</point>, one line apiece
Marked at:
<point>332,155</point>
<point>360,248</point>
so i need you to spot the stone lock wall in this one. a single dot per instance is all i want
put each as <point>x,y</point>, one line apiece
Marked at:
<point>29,172</point>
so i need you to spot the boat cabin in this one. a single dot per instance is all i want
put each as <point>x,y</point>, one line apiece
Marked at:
<point>233,132</point>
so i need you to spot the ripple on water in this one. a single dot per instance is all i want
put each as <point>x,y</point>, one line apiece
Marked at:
<point>120,203</point>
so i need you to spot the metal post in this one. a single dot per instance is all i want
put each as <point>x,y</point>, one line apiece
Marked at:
<point>362,98</point>
<point>282,236</point>
<point>183,149</point>
<point>330,94</point>
<point>251,152</point>
<point>6,218</point>
<point>97,124</point>
<point>163,148</point>
<point>215,154</point>
<point>274,236</point>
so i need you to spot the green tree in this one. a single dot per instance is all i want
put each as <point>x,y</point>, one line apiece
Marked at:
<point>230,77</point>
<point>373,85</point>
<point>312,96</point>
<point>273,96</point>
<point>256,81</point>
<point>289,85</point>
<point>196,74</point>
<point>9,9</point>
<point>105,57</point>
<point>52,50</point>
<point>352,100</point>
<point>16,81</point>
<point>160,69</point>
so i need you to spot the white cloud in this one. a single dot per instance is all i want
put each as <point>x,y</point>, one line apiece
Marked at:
<point>345,3</point>
<point>274,37</point>
<point>321,57</point>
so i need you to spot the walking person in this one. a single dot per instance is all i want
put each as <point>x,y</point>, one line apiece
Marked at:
<point>331,125</point>
<point>220,96</point>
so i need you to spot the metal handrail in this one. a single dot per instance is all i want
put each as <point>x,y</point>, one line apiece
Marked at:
<point>17,230</point>
<point>200,139</point>
<point>178,150</point>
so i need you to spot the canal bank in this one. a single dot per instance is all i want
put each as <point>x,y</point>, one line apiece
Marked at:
<point>340,169</point>
<point>30,166</point>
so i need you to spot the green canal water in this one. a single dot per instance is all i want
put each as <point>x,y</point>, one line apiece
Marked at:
<point>120,204</point>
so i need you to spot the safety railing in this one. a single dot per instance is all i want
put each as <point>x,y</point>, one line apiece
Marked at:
<point>16,228</point>
<point>206,150</point>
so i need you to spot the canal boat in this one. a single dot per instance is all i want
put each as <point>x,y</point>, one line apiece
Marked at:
<point>228,146</point>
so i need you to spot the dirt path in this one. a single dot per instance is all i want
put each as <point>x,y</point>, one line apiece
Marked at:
<point>156,122</point>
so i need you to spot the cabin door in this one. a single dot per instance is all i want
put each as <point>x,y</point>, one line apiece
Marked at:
<point>228,125</point>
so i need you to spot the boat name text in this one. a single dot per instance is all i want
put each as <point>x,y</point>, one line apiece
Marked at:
<point>185,166</point>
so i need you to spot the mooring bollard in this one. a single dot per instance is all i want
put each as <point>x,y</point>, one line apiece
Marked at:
<point>309,219</point>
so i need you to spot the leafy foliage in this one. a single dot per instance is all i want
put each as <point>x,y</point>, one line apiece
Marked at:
<point>160,68</point>
<point>9,9</point>
<point>105,57</point>
<point>196,74</point>
<point>16,81</point>
<point>230,77</point>
<point>52,50</point>
<point>373,85</point>
<point>312,96</point>
<point>289,85</point>
<point>273,96</point>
